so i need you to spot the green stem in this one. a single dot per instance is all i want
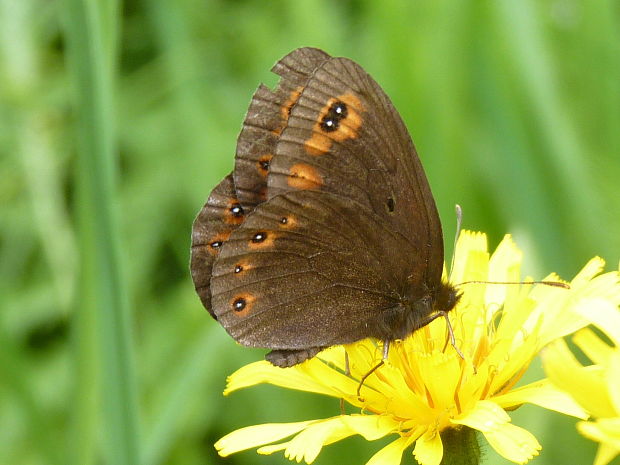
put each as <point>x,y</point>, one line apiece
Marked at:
<point>460,446</point>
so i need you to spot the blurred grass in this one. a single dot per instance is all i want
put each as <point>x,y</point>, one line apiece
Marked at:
<point>102,345</point>
<point>514,108</point>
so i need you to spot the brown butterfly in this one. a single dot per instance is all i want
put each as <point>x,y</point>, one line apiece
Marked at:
<point>326,232</point>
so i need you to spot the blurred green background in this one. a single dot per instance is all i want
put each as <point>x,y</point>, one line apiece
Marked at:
<point>117,119</point>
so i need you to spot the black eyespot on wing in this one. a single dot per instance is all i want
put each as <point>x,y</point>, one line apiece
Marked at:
<point>259,237</point>
<point>239,304</point>
<point>236,210</point>
<point>329,124</point>
<point>340,109</point>
<point>390,204</point>
<point>336,113</point>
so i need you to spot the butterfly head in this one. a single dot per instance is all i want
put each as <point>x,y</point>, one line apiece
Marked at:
<point>446,297</point>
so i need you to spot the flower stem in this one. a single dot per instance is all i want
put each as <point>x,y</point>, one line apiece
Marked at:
<point>460,446</point>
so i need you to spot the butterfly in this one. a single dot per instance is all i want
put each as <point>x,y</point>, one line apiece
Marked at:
<point>326,232</point>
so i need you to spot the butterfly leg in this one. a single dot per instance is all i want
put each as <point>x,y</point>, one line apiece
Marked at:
<point>288,358</point>
<point>347,372</point>
<point>450,337</point>
<point>386,350</point>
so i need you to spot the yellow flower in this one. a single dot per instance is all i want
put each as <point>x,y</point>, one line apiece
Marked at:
<point>596,387</point>
<point>426,391</point>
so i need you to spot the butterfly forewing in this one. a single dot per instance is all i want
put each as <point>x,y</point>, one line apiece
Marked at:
<point>344,136</point>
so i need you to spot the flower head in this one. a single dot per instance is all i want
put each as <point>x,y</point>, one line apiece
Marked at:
<point>426,390</point>
<point>596,388</point>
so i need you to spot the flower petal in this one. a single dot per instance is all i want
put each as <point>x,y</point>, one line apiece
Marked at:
<point>371,427</point>
<point>504,265</point>
<point>392,454</point>
<point>585,302</point>
<point>429,448</point>
<point>335,356</point>
<point>484,416</point>
<point>560,307</point>
<point>555,312</point>
<point>605,454</point>
<point>613,382</point>
<point>606,430</point>
<point>602,313</point>
<point>309,442</point>
<point>515,444</point>
<point>593,346</point>
<point>544,394</point>
<point>313,376</point>
<point>589,271</point>
<point>440,372</point>
<point>585,384</point>
<point>469,245</point>
<point>512,442</point>
<point>403,399</point>
<point>257,435</point>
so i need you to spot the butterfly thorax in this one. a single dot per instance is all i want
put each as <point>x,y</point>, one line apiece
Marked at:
<point>415,311</point>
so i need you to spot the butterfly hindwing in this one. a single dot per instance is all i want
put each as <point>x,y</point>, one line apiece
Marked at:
<point>247,185</point>
<point>219,216</point>
<point>306,269</point>
<point>265,120</point>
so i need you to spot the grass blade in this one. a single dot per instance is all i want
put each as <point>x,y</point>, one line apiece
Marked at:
<point>102,347</point>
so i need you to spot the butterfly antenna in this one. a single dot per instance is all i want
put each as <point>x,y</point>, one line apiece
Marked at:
<point>546,283</point>
<point>459,222</point>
